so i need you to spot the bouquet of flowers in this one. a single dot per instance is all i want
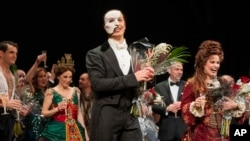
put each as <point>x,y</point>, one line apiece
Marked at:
<point>242,89</point>
<point>148,127</point>
<point>144,54</point>
<point>160,57</point>
<point>242,86</point>
<point>148,97</point>
<point>218,91</point>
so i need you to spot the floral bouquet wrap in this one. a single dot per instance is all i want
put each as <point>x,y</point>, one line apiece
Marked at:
<point>159,57</point>
<point>242,88</point>
<point>218,94</point>
<point>218,91</point>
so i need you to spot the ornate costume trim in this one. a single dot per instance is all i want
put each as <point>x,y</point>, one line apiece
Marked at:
<point>197,112</point>
<point>72,131</point>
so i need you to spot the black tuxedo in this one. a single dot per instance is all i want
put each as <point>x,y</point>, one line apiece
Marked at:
<point>113,94</point>
<point>169,126</point>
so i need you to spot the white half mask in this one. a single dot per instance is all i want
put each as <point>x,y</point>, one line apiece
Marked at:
<point>111,20</point>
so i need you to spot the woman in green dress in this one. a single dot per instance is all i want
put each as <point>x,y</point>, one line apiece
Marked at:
<point>61,103</point>
<point>39,84</point>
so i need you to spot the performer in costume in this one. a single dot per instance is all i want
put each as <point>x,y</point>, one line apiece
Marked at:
<point>198,104</point>
<point>38,78</point>
<point>10,128</point>
<point>114,84</point>
<point>62,103</point>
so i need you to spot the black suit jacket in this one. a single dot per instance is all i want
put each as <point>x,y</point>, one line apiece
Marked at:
<point>169,126</point>
<point>111,86</point>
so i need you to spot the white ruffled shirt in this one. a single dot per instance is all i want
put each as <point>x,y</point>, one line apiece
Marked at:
<point>122,54</point>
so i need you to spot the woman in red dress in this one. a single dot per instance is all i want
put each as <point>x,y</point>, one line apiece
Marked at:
<point>199,112</point>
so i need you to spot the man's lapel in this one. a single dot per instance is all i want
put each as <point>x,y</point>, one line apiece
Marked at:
<point>111,59</point>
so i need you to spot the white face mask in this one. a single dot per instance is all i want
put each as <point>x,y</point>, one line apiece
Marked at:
<point>111,20</point>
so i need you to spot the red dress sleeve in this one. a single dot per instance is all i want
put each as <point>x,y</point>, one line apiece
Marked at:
<point>187,97</point>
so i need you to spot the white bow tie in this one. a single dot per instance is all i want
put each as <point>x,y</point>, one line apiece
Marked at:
<point>121,46</point>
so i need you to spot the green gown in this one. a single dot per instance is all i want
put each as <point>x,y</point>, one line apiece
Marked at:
<point>55,129</point>
<point>35,121</point>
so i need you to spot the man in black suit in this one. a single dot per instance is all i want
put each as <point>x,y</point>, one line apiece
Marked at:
<point>114,84</point>
<point>171,124</point>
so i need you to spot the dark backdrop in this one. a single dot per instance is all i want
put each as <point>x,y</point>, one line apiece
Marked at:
<point>75,27</point>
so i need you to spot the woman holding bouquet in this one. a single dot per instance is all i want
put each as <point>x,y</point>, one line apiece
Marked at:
<point>114,84</point>
<point>199,103</point>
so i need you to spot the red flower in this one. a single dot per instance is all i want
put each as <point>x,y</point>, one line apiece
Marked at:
<point>152,90</point>
<point>236,87</point>
<point>149,96</point>
<point>242,86</point>
<point>244,79</point>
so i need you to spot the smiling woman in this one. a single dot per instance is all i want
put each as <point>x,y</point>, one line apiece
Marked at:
<point>67,121</point>
<point>200,112</point>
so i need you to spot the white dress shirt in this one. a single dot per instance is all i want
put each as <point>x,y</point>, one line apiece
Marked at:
<point>122,54</point>
<point>174,90</point>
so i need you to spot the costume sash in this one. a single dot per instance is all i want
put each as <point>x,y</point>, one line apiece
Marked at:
<point>72,130</point>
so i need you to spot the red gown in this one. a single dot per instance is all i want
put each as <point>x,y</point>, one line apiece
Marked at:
<point>205,128</point>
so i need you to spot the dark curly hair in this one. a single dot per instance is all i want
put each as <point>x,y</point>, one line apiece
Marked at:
<point>206,49</point>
